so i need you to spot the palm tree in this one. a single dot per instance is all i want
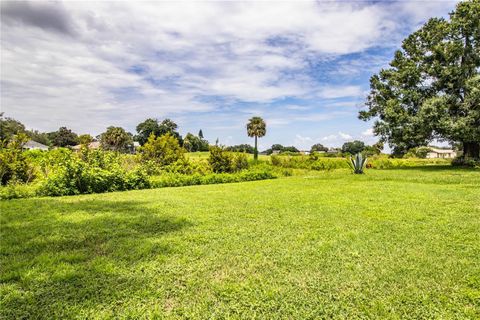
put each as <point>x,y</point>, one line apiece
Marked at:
<point>257,128</point>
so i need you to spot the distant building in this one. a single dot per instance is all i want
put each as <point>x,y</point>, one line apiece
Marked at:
<point>91,145</point>
<point>34,145</point>
<point>441,153</point>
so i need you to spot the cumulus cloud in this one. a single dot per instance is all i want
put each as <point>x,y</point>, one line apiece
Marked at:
<point>92,64</point>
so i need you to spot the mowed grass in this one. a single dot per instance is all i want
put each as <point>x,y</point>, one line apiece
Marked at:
<point>393,244</point>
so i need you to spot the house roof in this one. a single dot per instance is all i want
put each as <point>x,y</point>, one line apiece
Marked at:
<point>436,150</point>
<point>34,145</point>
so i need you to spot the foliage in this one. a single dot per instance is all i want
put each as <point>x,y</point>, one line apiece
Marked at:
<point>223,161</point>
<point>151,126</point>
<point>116,139</point>
<point>308,162</point>
<point>93,171</point>
<point>14,167</point>
<point>179,180</point>
<point>40,137</point>
<point>432,88</point>
<point>194,144</point>
<point>162,150</point>
<point>357,163</point>
<point>257,128</point>
<point>9,127</point>
<point>278,148</point>
<point>241,148</point>
<point>63,137</point>
<point>353,147</point>
<point>85,139</point>
<point>318,147</point>
<point>420,152</point>
<point>220,160</point>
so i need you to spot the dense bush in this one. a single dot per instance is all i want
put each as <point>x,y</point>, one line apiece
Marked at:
<point>178,180</point>
<point>163,150</point>
<point>465,162</point>
<point>223,161</point>
<point>14,167</point>
<point>312,162</point>
<point>90,171</point>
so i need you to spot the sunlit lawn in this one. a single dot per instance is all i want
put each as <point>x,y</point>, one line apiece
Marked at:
<point>388,244</point>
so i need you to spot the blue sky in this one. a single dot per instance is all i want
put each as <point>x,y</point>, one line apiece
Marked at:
<point>302,66</point>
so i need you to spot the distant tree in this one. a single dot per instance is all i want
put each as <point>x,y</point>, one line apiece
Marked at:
<point>353,147</point>
<point>257,128</point>
<point>85,139</point>
<point>318,147</point>
<point>241,148</point>
<point>193,143</point>
<point>291,149</point>
<point>40,137</point>
<point>9,127</point>
<point>152,126</point>
<point>163,150</point>
<point>63,137</point>
<point>116,139</point>
<point>200,134</point>
<point>432,88</point>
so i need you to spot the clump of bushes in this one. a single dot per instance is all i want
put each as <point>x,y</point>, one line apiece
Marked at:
<point>179,180</point>
<point>14,167</point>
<point>91,171</point>
<point>163,150</point>
<point>466,162</point>
<point>222,161</point>
<point>312,162</point>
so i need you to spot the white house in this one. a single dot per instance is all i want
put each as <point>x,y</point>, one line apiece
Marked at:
<point>34,145</point>
<point>441,153</point>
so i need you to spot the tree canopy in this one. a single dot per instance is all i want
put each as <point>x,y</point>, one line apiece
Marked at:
<point>152,126</point>
<point>116,139</point>
<point>63,137</point>
<point>353,147</point>
<point>432,88</point>
<point>318,147</point>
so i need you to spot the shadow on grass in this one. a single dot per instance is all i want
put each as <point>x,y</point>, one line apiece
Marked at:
<point>58,256</point>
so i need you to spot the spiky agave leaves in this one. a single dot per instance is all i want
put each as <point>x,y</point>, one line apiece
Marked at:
<point>357,163</point>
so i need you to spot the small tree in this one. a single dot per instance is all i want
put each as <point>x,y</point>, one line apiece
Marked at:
<point>353,147</point>
<point>163,150</point>
<point>257,128</point>
<point>85,139</point>
<point>63,137</point>
<point>318,147</point>
<point>13,164</point>
<point>116,139</point>
<point>9,127</point>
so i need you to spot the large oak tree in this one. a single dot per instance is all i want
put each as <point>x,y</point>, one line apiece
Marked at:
<point>432,88</point>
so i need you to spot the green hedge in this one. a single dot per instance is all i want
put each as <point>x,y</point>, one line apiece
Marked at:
<point>376,162</point>
<point>179,180</point>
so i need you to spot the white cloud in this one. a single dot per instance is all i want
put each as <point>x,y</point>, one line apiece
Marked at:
<point>345,136</point>
<point>368,133</point>
<point>189,57</point>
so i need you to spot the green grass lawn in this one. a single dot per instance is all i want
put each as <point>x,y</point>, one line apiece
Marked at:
<point>389,244</point>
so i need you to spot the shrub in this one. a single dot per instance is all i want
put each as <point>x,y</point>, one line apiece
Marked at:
<point>92,171</point>
<point>178,180</point>
<point>163,150</point>
<point>465,162</point>
<point>13,163</point>
<point>220,160</point>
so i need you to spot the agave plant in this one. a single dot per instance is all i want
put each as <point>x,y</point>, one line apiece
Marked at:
<point>357,163</point>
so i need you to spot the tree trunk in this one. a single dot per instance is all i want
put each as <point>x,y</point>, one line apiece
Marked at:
<point>471,150</point>
<point>255,152</point>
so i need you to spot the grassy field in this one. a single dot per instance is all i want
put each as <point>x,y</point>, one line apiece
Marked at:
<point>394,244</point>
